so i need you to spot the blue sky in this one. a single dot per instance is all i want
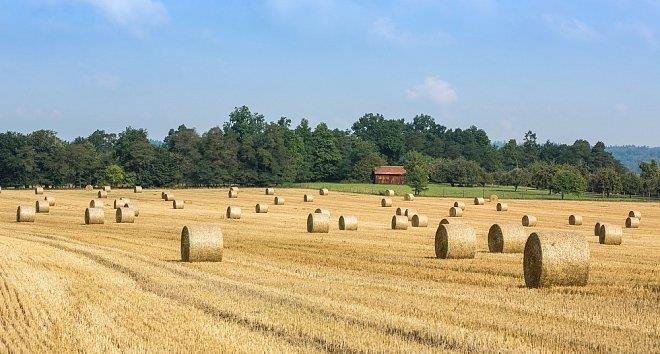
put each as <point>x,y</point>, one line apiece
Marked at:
<point>567,70</point>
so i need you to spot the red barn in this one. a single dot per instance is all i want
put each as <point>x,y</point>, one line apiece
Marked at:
<point>389,175</point>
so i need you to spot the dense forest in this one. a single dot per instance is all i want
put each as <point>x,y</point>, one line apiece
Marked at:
<point>248,150</point>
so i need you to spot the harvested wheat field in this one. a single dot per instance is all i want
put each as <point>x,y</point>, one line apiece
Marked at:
<point>108,287</point>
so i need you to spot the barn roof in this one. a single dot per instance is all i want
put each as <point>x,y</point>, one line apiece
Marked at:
<point>389,170</point>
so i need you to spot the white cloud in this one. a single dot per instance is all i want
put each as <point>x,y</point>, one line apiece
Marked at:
<point>385,29</point>
<point>434,89</point>
<point>571,28</point>
<point>132,14</point>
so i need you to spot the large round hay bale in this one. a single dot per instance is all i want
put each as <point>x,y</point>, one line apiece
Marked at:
<point>318,223</point>
<point>232,193</point>
<point>493,198</point>
<point>635,214</point>
<point>125,216</point>
<point>107,188</point>
<point>261,208</point>
<point>597,228</point>
<point>177,204</point>
<point>89,188</point>
<point>270,191</point>
<point>133,207</point>
<point>308,198</point>
<point>420,220</point>
<point>459,205</point>
<point>575,220</point>
<point>96,203</point>
<point>610,234</point>
<point>529,220</point>
<point>409,197</point>
<point>42,206</point>
<point>50,200</point>
<point>479,201</point>
<point>233,212</point>
<point>386,202</point>
<point>201,243</point>
<point>388,193</point>
<point>455,212</point>
<point>322,211</point>
<point>323,191</point>
<point>120,203</point>
<point>632,222</point>
<point>94,216</point>
<point>451,221</point>
<point>102,194</point>
<point>507,238</point>
<point>278,201</point>
<point>233,188</point>
<point>400,211</point>
<point>25,213</point>
<point>39,190</point>
<point>348,222</point>
<point>556,258</point>
<point>409,213</point>
<point>399,222</point>
<point>137,189</point>
<point>502,207</point>
<point>455,241</point>
<point>169,197</point>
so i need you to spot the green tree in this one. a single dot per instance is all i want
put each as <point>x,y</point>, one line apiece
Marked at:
<point>567,180</point>
<point>517,177</point>
<point>417,167</point>
<point>606,180</point>
<point>651,177</point>
<point>632,183</point>
<point>114,175</point>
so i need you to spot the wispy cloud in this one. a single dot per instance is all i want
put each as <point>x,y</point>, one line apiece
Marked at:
<point>385,29</point>
<point>135,15</point>
<point>434,89</point>
<point>571,28</point>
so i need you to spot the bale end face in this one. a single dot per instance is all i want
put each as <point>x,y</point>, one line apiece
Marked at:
<point>177,204</point>
<point>386,202</point>
<point>39,190</point>
<point>502,207</point>
<point>597,228</point>
<point>479,201</point>
<point>555,258</point>
<point>399,222</point>
<point>261,208</point>
<point>575,220</point>
<point>278,201</point>
<point>270,191</point>
<point>318,223</point>
<point>323,191</point>
<point>201,243</point>
<point>232,193</point>
<point>233,212</point>
<point>308,198</point>
<point>420,220</point>
<point>632,222</point>
<point>529,220</point>
<point>455,241</point>
<point>455,212</point>
<point>348,222</point>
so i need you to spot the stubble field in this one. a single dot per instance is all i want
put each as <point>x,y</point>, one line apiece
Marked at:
<point>120,287</point>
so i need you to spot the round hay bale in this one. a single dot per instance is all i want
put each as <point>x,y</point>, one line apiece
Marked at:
<point>132,207</point>
<point>479,201</point>
<point>308,198</point>
<point>610,234</point>
<point>270,191</point>
<point>323,191</point>
<point>322,211</point>
<point>169,197</point>
<point>455,212</point>
<point>399,222</point>
<point>107,189</point>
<point>502,207</point>
<point>96,203</point>
<point>451,221</point>
<point>261,208</point>
<point>102,194</point>
<point>386,202</point>
<point>137,189</point>
<point>89,188</point>
<point>388,193</point>
<point>556,258</point>
<point>632,222</point>
<point>409,213</point>
<point>94,216</point>
<point>575,220</point>
<point>25,213</point>
<point>455,241</point>
<point>50,200</point>
<point>409,197</point>
<point>459,205</point>
<point>529,220</point>
<point>39,190</point>
<point>278,201</point>
<point>42,206</point>
<point>162,195</point>
<point>232,193</point>
<point>177,204</point>
<point>597,228</point>
<point>318,223</point>
<point>420,220</point>
<point>348,222</point>
<point>233,212</point>
<point>508,238</point>
<point>400,211</point>
<point>201,243</point>
<point>635,214</point>
<point>120,203</point>
<point>125,216</point>
<point>233,188</point>
<point>494,198</point>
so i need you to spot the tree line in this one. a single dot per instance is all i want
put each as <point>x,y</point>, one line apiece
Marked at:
<point>248,150</point>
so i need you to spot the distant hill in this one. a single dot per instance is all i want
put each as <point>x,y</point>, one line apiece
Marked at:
<point>631,155</point>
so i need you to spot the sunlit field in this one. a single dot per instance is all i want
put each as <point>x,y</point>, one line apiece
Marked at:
<point>122,287</point>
